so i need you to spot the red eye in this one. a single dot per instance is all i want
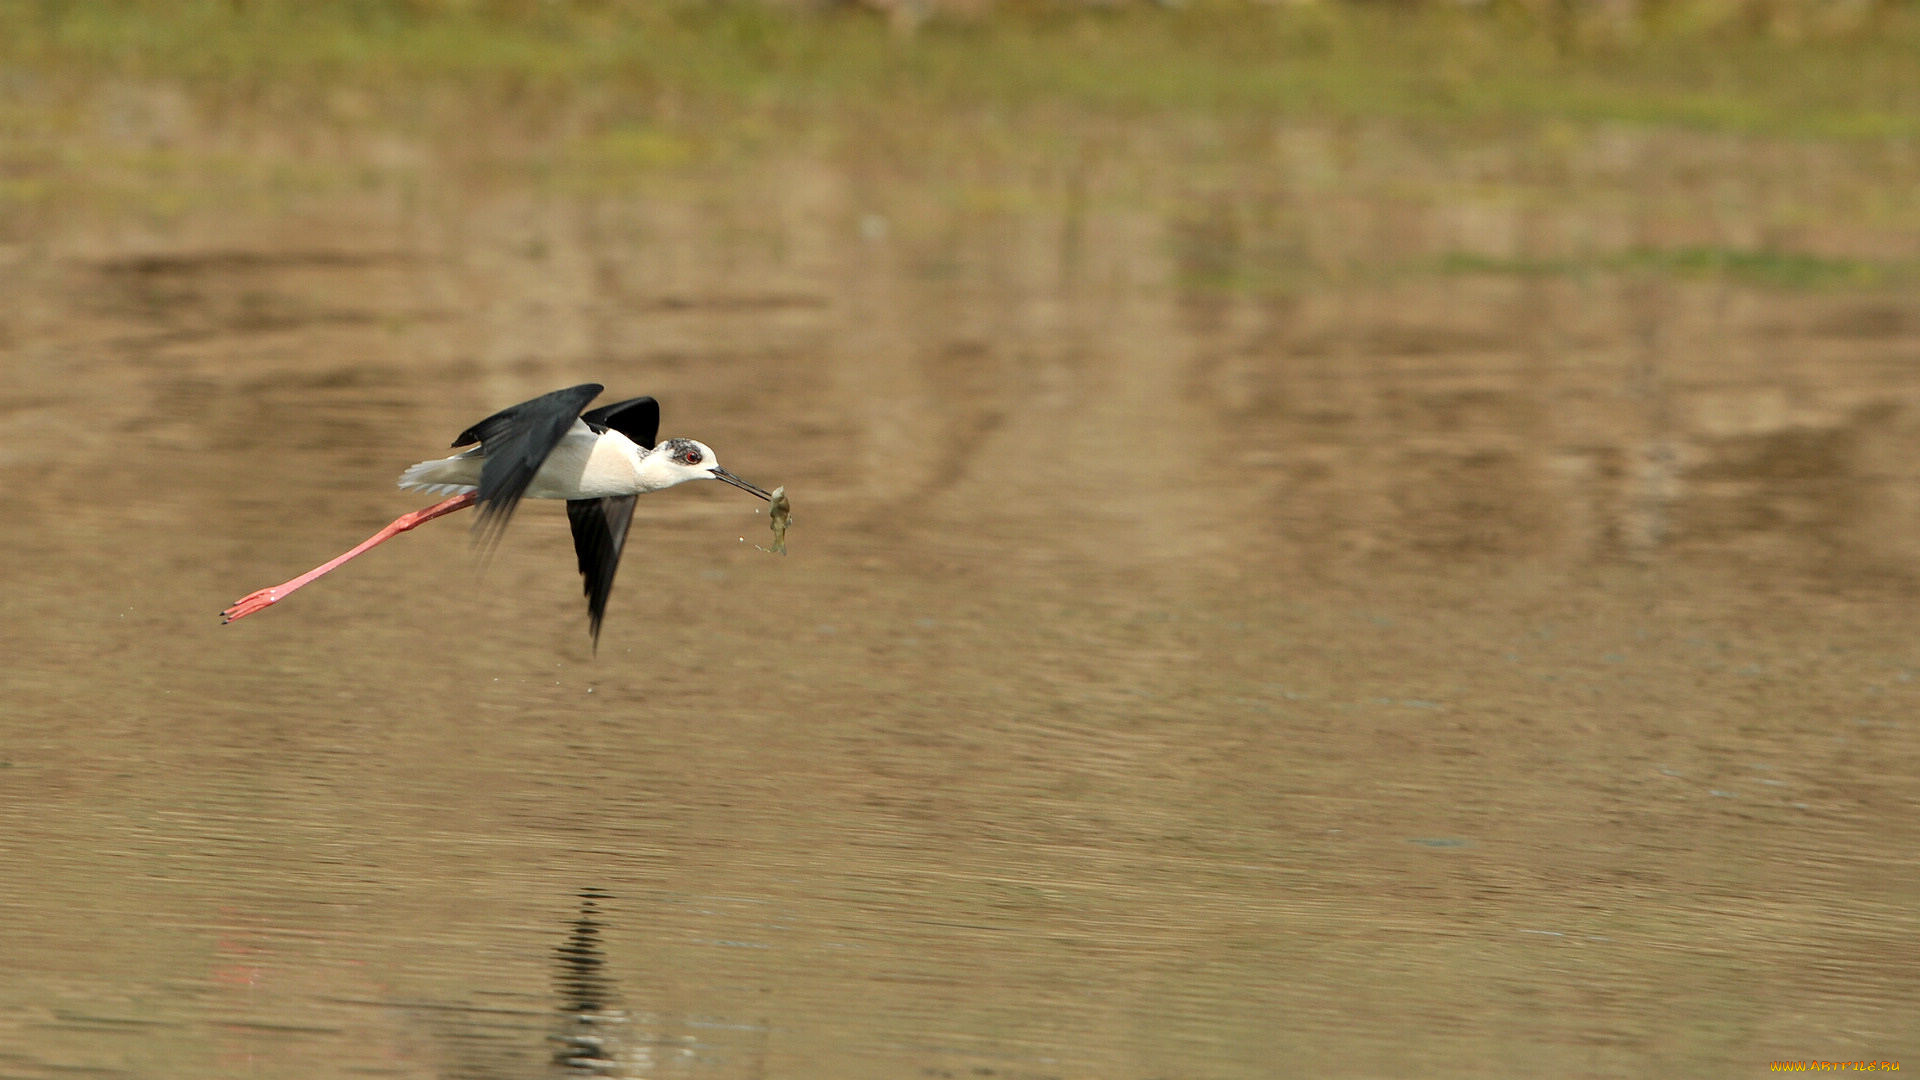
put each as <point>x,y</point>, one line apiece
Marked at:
<point>691,457</point>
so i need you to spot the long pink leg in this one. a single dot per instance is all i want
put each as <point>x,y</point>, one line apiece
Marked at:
<point>265,598</point>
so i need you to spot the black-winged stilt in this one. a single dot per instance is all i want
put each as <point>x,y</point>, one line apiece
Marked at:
<point>599,461</point>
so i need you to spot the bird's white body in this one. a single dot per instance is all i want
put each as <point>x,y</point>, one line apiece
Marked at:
<point>584,464</point>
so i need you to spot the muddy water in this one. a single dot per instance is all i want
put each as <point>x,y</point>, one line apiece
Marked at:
<point>1196,657</point>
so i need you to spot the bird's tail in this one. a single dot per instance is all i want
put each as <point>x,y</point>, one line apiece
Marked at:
<point>443,476</point>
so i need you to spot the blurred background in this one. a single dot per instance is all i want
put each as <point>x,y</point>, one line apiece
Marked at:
<point>1352,539</point>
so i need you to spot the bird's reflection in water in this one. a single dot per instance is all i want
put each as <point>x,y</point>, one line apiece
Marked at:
<point>588,1040</point>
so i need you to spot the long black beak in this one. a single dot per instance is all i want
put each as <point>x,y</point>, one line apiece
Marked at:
<point>722,474</point>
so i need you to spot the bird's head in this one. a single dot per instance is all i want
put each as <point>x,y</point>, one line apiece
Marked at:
<point>677,461</point>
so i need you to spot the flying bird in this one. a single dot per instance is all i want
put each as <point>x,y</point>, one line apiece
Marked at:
<point>599,461</point>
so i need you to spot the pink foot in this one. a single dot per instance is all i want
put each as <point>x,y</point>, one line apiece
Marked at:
<point>258,600</point>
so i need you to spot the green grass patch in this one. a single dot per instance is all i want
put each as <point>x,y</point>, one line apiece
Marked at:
<point>1431,64</point>
<point>1782,270</point>
<point>1763,268</point>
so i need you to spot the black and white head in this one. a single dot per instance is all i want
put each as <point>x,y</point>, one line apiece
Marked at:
<point>676,461</point>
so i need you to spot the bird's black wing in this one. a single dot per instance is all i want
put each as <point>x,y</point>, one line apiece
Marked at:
<point>599,531</point>
<point>515,442</point>
<point>636,418</point>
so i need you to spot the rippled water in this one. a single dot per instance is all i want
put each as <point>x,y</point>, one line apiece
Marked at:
<point>1187,664</point>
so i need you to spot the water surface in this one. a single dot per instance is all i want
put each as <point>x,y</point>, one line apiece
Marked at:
<point>1228,632</point>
